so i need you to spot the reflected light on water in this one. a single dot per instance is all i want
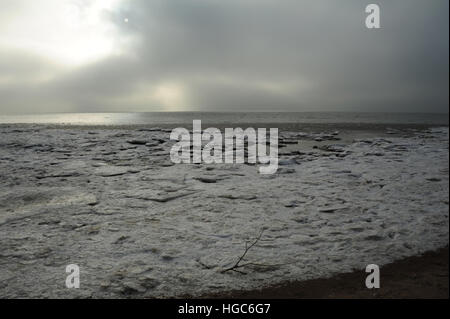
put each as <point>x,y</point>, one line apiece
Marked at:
<point>72,118</point>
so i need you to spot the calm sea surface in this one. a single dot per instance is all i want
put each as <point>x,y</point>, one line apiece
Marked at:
<point>225,118</point>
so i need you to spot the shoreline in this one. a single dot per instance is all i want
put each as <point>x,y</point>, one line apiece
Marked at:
<point>140,226</point>
<point>422,276</point>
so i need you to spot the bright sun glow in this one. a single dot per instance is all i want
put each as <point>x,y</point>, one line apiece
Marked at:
<point>170,95</point>
<point>69,32</point>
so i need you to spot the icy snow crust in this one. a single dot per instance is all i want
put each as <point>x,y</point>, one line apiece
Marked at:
<point>111,202</point>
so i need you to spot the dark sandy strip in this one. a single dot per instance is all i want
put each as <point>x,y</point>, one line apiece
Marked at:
<point>415,277</point>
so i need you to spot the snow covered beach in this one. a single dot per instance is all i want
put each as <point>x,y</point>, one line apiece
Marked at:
<point>110,201</point>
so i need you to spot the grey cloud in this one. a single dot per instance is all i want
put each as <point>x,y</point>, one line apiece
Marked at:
<point>265,55</point>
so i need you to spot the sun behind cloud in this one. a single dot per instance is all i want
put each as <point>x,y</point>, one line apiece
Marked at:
<point>171,95</point>
<point>72,33</point>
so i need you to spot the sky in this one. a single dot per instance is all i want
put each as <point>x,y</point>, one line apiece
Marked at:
<point>215,55</point>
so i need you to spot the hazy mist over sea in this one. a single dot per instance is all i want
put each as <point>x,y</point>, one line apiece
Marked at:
<point>159,118</point>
